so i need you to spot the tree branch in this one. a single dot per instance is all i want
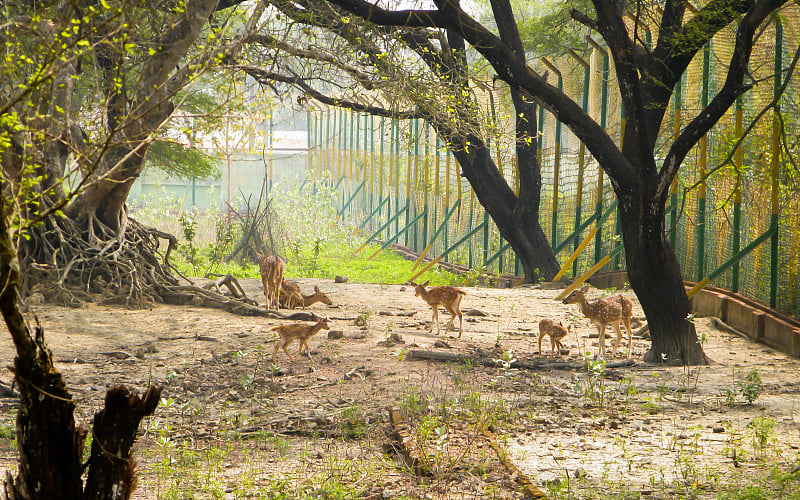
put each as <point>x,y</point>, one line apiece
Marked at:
<point>733,88</point>
<point>510,68</point>
<point>263,76</point>
<point>583,19</point>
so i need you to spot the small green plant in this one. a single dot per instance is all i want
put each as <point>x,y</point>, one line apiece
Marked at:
<point>8,430</point>
<point>762,433</point>
<point>188,222</point>
<point>751,387</point>
<point>363,318</point>
<point>592,386</point>
<point>353,424</point>
<point>748,386</point>
<point>733,448</point>
<point>414,402</point>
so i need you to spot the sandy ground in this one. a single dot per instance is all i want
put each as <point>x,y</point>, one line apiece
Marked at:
<point>234,427</point>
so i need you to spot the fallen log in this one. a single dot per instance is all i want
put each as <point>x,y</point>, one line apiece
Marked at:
<point>207,298</point>
<point>413,455</point>
<point>529,489</point>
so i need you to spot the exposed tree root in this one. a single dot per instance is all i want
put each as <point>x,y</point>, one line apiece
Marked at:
<point>71,267</point>
<point>405,445</point>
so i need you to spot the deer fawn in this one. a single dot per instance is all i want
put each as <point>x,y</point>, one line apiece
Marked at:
<point>446,296</point>
<point>602,312</point>
<point>292,297</point>
<point>556,332</point>
<point>271,268</point>
<point>299,331</point>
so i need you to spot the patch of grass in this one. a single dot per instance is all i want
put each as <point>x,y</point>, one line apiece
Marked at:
<point>8,430</point>
<point>307,234</point>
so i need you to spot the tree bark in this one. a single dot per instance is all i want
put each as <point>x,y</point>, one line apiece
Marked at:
<point>49,441</point>
<point>111,468</point>
<point>655,276</point>
<point>519,227</point>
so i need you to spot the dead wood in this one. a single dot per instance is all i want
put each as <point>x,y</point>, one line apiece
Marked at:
<point>111,467</point>
<point>230,282</point>
<point>244,307</point>
<point>413,455</point>
<point>529,489</point>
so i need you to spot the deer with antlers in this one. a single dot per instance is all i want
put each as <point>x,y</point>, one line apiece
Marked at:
<point>602,312</point>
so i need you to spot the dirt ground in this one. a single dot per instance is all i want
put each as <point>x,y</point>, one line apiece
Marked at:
<point>233,427</point>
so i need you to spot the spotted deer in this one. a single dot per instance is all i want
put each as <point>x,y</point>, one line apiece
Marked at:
<point>556,332</point>
<point>297,331</point>
<point>602,312</point>
<point>271,268</point>
<point>446,296</point>
<point>317,296</point>
<point>291,296</point>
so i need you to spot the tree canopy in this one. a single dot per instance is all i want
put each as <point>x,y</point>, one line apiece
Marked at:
<point>646,78</point>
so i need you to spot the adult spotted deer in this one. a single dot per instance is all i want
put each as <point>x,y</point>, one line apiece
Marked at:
<point>271,268</point>
<point>291,296</point>
<point>556,332</point>
<point>297,331</point>
<point>602,312</point>
<point>446,296</point>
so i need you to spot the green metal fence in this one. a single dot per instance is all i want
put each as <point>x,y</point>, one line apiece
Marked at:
<point>735,224</point>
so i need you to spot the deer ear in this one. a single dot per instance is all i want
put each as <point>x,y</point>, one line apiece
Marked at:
<point>316,288</point>
<point>426,283</point>
<point>585,289</point>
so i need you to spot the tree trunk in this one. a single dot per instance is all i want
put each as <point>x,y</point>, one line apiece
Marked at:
<point>50,442</point>
<point>655,277</point>
<point>521,230</point>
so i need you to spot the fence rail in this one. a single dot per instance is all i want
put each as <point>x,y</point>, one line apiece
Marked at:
<point>735,223</point>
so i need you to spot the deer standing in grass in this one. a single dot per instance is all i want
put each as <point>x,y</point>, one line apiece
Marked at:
<point>297,331</point>
<point>446,296</point>
<point>602,312</point>
<point>271,268</point>
<point>556,332</point>
<point>291,296</point>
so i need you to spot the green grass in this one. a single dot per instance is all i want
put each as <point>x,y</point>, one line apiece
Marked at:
<point>333,259</point>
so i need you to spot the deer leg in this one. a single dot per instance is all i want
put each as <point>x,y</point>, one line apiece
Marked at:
<point>285,345</point>
<point>308,350</point>
<point>616,342</point>
<point>304,347</point>
<point>450,323</point>
<point>630,336</point>
<point>541,336</point>
<point>560,347</point>
<point>601,340</point>
<point>435,320</point>
<point>275,352</point>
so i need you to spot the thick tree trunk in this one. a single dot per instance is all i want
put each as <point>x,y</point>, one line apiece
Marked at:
<point>520,228</point>
<point>50,442</point>
<point>655,277</point>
